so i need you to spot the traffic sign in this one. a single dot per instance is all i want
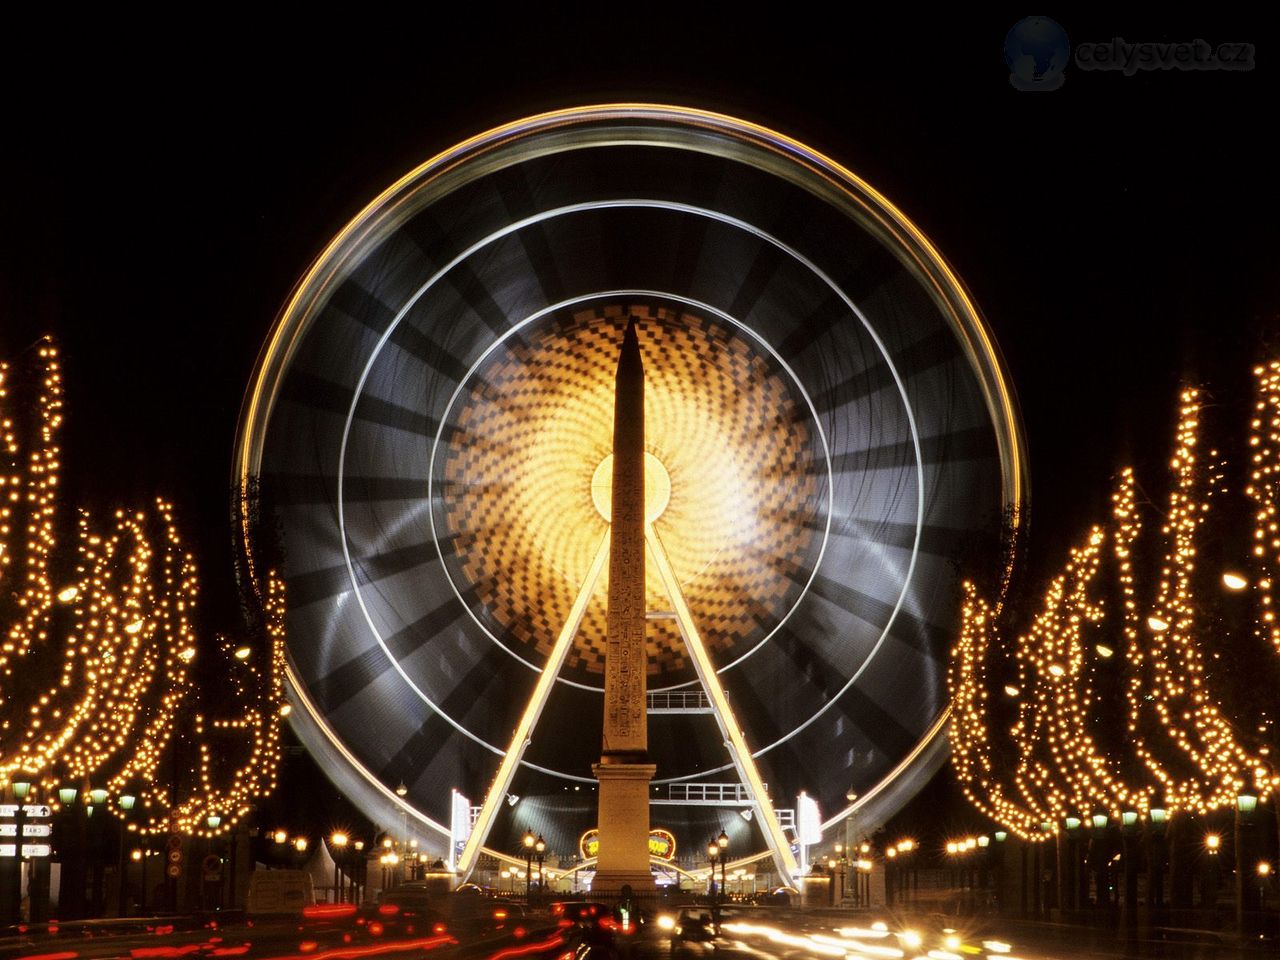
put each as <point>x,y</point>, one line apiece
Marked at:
<point>174,842</point>
<point>37,810</point>
<point>173,870</point>
<point>28,850</point>
<point>28,830</point>
<point>175,856</point>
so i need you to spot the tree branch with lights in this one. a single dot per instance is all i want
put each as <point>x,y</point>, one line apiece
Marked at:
<point>96,686</point>
<point>1033,743</point>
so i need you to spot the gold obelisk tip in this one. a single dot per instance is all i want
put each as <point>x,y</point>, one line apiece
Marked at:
<point>629,362</point>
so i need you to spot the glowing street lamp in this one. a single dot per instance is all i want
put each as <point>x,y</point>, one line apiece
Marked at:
<point>1233,581</point>
<point>337,840</point>
<point>722,842</point>
<point>529,841</point>
<point>713,854</point>
<point>540,848</point>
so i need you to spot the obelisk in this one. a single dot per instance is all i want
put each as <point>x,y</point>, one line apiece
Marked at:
<point>624,770</point>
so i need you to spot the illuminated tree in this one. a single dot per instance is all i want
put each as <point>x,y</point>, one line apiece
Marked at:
<point>96,685</point>
<point>1033,744</point>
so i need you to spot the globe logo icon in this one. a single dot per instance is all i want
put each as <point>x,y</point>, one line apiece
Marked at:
<point>1036,50</point>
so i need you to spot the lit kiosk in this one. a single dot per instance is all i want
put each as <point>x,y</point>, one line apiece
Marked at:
<point>624,770</point>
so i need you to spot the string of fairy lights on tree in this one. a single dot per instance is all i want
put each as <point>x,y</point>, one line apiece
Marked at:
<point>973,748</point>
<point>29,488</point>
<point>1190,755</point>
<point>1168,693</point>
<point>1062,769</point>
<point>1264,476</point>
<point>95,671</point>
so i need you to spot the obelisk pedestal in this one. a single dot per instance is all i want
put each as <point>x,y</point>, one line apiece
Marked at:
<point>624,770</point>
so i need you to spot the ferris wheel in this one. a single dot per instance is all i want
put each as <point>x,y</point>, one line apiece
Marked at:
<point>425,436</point>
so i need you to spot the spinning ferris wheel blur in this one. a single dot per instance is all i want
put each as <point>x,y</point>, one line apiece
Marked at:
<point>825,409</point>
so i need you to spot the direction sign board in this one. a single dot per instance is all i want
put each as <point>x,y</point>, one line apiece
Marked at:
<point>28,850</point>
<point>38,811</point>
<point>28,830</point>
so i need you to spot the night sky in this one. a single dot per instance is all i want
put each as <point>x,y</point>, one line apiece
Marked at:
<point>159,201</point>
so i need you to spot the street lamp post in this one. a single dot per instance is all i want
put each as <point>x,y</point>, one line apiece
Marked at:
<point>1263,873</point>
<point>890,875</point>
<point>97,851</point>
<point>207,886</point>
<point>722,842</point>
<point>69,834</point>
<point>402,791</point>
<point>842,864</point>
<point>126,801</point>
<point>339,843</point>
<point>12,880</point>
<point>540,847</point>
<point>713,854</point>
<point>850,835</point>
<point>529,841</point>
<point>360,880</point>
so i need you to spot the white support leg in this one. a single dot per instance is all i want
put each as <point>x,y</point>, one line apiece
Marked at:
<point>736,743</point>
<point>524,730</point>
